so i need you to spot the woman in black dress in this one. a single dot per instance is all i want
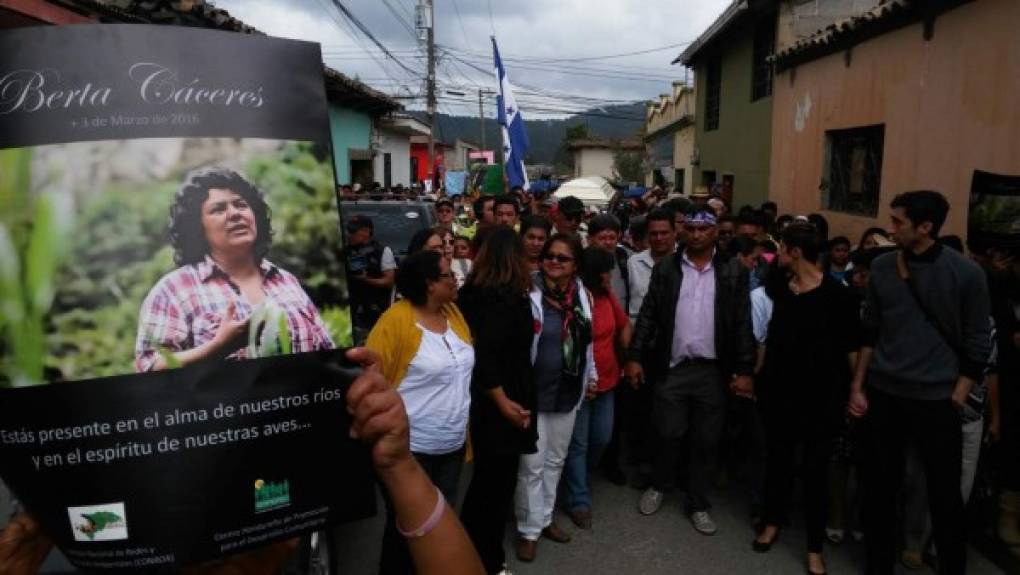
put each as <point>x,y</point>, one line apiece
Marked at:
<point>497,308</point>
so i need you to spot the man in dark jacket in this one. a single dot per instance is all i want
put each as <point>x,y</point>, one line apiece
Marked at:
<point>695,322</point>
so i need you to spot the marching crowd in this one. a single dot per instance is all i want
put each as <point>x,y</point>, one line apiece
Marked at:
<point>667,345</point>
<point>673,342</point>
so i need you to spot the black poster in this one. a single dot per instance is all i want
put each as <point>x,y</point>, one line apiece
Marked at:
<point>172,307</point>
<point>994,218</point>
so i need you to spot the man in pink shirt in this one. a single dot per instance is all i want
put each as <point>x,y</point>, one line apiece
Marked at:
<point>695,322</point>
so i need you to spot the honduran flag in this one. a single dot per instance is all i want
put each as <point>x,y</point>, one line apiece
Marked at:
<point>515,137</point>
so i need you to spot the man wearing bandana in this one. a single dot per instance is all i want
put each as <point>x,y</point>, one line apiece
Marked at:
<point>695,324</point>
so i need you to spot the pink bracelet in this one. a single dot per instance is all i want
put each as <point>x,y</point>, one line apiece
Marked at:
<point>430,523</point>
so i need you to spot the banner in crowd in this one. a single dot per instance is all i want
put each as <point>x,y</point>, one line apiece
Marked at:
<point>994,209</point>
<point>172,385</point>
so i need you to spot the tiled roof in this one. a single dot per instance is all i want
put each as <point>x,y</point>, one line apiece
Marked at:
<point>203,13</point>
<point>888,15</point>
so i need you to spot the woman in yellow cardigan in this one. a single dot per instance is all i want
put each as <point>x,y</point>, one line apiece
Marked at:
<point>426,351</point>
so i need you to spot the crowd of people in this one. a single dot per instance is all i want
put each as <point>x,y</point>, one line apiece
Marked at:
<point>670,342</point>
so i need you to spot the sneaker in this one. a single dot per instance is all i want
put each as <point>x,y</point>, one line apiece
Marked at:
<point>703,523</point>
<point>650,502</point>
<point>835,536</point>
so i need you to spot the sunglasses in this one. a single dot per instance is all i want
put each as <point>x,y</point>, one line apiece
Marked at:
<point>558,257</point>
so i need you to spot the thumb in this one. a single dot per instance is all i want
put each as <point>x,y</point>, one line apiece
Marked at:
<point>369,359</point>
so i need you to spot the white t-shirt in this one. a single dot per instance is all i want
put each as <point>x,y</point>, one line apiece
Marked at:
<point>437,392</point>
<point>761,314</point>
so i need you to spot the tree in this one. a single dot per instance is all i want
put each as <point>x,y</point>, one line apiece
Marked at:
<point>628,166</point>
<point>564,155</point>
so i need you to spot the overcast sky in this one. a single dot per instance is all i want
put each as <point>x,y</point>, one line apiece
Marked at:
<point>532,36</point>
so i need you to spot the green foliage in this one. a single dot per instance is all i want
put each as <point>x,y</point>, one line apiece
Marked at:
<point>120,249</point>
<point>27,270</point>
<point>338,323</point>
<point>628,166</point>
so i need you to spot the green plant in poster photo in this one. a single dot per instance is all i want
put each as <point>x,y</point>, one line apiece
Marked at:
<point>78,253</point>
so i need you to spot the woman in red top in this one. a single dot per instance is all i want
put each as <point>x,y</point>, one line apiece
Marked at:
<point>593,426</point>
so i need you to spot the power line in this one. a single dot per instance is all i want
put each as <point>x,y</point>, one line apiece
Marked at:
<point>364,30</point>
<point>463,30</point>
<point>404,23</point>
<point>603,57</point>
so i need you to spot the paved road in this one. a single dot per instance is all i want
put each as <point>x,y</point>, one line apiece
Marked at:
<point>622,541</point>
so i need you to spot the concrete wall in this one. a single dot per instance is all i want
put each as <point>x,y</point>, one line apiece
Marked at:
<point>399,147</point>
<point>683,147</point>
<point>349,130</point>
<point>949,106</point>
<point>593,162</point>
<point>799,18</point>
<point>740,146</point>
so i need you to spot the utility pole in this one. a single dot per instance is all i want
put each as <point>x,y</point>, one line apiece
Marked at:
<point>426,14</point>
<point>481,117</point>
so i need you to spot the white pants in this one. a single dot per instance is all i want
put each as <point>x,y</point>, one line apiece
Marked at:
<point>539,473</point>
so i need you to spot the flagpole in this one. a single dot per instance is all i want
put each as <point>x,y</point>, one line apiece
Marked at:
<point>502,131</point>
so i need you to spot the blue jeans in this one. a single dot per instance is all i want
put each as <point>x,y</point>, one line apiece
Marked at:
<point>593,428</point>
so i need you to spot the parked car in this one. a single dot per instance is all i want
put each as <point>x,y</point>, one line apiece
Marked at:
<point>395,222</point>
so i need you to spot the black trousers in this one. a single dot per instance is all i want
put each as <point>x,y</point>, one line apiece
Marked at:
<point>444,471</point>
<point>935,428</point>
<point>690,400</point>
<point>792,423</point>
<point>488,499</point>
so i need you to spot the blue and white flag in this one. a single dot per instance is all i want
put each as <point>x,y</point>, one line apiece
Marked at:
<point>515,137</point>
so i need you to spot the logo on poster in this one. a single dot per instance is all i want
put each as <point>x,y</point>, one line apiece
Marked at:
<point>270,496</point>
<point>106,522</point>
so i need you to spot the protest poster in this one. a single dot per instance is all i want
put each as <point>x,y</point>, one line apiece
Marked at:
<point>172,381</point>
<point>994,217</point>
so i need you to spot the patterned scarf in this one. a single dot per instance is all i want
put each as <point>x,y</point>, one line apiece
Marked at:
<point>576,329</point>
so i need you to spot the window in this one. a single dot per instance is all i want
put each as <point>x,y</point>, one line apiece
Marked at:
<point>854,170</point>
<point>678,181</point>
<point>387,170</point>
<point>713,87</point>
<point>764,47</point>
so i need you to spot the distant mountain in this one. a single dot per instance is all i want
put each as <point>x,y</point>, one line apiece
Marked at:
<point>546,136</point>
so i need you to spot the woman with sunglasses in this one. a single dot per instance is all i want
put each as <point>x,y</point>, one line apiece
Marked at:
<point>425,348</point>
<point>564,367</point>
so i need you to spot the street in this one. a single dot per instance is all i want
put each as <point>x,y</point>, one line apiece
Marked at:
<point>623,541</point>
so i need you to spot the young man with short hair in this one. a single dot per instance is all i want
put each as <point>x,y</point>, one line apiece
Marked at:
<point>506,211</point>
<point>371,271</point>
<point>838,262</point>
<point>483,209</point>
<point>926,341</point>
<point>535,230</point>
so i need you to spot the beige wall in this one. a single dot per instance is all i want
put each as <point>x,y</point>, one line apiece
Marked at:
<point>683,147</point>
<point>593,162</point>
<point>950,106</point>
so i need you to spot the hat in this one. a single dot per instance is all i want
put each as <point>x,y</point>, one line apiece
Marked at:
<point>444,202</point>
<point>570,205</point>
<point>701,218</point>
<point>701,192</point>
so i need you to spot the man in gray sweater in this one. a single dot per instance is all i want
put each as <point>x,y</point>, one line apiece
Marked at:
<point>926,342</point>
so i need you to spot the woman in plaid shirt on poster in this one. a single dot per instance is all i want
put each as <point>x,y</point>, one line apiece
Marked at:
<point>220,231</point>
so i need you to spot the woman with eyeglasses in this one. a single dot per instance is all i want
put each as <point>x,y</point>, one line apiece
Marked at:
<point>441,240</point>
<point>564,367</point>
<point>426,350</point>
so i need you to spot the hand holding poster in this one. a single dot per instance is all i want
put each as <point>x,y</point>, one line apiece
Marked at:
<point>172,300</point>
